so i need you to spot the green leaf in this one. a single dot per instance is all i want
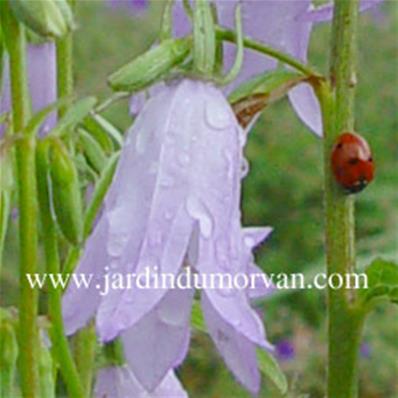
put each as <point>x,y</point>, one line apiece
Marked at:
<point>151,66</point>
<point>93,150</point>
<point>382,282</point>
<point>100,190</point>
<point>75,114</point>
<point>197,319</point>
<point>253,96</point>
<point>270,369</point>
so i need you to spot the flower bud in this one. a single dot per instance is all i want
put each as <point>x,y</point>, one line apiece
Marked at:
<point>150,66</point>
<point>66,196</point>
<point>47,18</point>
<point>93,151</point>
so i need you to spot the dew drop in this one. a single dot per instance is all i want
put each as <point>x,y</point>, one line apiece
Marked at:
<point>217,115</point>
<point>198,211</point>
<point>249,241</point>
<point>184,159</point>
<point>167,182</point>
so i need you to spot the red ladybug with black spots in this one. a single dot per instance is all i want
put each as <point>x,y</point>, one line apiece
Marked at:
<point>352,162</point>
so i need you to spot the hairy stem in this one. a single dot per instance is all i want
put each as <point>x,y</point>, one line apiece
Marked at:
<point>345,319</point>
<point>27,204</point>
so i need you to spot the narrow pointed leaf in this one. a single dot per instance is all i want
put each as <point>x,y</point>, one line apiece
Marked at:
<point>270,369</point>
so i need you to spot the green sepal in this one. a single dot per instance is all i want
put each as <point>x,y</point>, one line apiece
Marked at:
<point>66,195</point>
<point>8,354</point>
<point>98,133</point>
<point>92,149</point>
<point>382,280</point>
<point>100,190</point>
<point>103,126</point>
<point>253,96</point>
<point>151,66</point>
<point>47,18</point>
<point>270,368</point>
<point>204,39</point>
<point>74,115</point>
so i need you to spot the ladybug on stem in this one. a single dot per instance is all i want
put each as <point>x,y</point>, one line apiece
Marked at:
<point>352,162</point>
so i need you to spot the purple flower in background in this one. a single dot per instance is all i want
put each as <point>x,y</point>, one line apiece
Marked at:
<point>133,6</point>
<point>119,382</point>
<point>365,350</point>
<point>285,350</point>
<point>41,65</point>
<point>174,204</point>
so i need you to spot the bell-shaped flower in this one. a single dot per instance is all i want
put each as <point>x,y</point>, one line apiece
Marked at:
<point>284,25</point>
<point>174,204</point>
<point>119,382</point>
<point>42,82</point>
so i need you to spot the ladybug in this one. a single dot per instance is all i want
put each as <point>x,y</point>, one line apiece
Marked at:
<point>352,162</point>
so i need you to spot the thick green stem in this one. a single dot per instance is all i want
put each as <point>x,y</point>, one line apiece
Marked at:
<point>26,179</point>
<point>345,319</point>
<point>57,334</point>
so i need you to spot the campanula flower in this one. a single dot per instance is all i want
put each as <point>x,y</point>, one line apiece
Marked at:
<point>285,25</point>
<point>119,382</point>
<point>174,204</point>
<point>41,66</point>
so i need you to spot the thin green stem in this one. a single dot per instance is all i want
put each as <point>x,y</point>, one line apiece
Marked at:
<point>65,89</point>
<point>64,50</point>
<point>230,36</point>
<point>57,334</point>
<point>26,179</point>
<point>345,319</point>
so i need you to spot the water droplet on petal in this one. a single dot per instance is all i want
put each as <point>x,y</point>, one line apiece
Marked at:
<point>168,215</point>
<point>217,115</point>
<point>171,315</point>
<point>184,159</point>
<point>198,211</point>
<point>167,182</point>
<point>249,241</point>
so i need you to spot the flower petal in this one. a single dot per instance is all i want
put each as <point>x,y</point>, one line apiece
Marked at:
<point>159,339</point>
<point>237,350</point>
<point>79,303</point>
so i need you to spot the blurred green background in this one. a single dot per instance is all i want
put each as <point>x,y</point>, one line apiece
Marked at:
<point>284,190</point>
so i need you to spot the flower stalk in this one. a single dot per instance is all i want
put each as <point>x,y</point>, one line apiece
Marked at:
<point>345,317</point>
<point>26,180</point>
<point>50,240</point>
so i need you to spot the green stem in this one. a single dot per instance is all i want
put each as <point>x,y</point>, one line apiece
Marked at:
<point>57,334</point>
<point>65,72</point>
<point>26,179</point>
<point>230,36</point>
<point>345,318</point>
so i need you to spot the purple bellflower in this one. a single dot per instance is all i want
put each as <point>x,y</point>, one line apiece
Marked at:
<point>282,24</point>
<point>119,382</point>
<point>174,204</point>
<point>41,66</point>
